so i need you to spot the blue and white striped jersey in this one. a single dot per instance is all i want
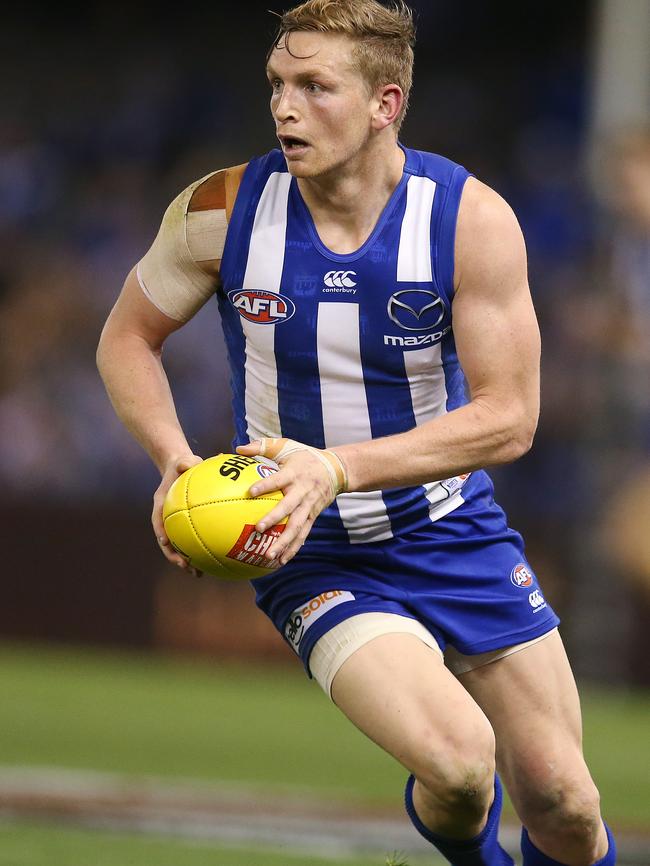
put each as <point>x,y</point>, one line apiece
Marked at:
<point>331,349</point>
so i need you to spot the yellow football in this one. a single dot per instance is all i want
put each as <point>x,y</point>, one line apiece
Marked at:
<point>210,516</point>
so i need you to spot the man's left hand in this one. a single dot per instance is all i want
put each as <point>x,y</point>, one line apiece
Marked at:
<point>309,478</point>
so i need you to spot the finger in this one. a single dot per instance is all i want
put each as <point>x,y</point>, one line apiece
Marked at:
<point>279,549</point>
<point>184,564</point>
<point>157,512</point>
<point>170,553</point>
<point>251,449</point>
<point>294,529</point>
<point>266,447</point>
<point>277,514</point>
<point>290,552</point>
<point>276,481</point>
<point>292,549</point>
<point>159,527</point>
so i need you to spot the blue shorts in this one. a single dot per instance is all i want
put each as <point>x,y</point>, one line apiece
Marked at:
<point>464,577</point>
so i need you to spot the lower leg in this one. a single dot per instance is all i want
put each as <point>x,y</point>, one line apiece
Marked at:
<point>481,849</point>
<point>397,691</point>
<point>606,855</point>
<point>532,702</point>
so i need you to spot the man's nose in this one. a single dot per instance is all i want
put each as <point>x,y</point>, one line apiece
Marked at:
<point>285,105</point>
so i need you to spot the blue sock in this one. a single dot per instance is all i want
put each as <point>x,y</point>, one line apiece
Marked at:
<point>534,857</point>
<point>482,850</point>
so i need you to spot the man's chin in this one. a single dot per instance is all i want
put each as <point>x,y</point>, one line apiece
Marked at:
<point>309,169</point>
<point>298,168</point>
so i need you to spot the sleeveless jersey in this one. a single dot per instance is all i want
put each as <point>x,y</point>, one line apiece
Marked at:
<point>332,349</point>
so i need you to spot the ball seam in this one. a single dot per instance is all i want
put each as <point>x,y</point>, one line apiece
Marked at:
<point>224,501</point>
<point>189,517</point>
<point>202,543</point>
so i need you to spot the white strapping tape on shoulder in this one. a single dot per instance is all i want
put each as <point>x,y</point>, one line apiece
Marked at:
<point>169,272</point>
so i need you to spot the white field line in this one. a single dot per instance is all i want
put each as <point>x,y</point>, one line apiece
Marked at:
<point>233,815</point>
<point>236,815</point>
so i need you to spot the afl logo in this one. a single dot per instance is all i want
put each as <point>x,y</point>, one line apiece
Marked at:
<point>262,307</point>
<point>521,575</point>
<point>265,470</point>
<point>416,309</point>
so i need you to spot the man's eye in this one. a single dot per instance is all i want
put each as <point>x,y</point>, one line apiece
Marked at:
<point>276,84</point>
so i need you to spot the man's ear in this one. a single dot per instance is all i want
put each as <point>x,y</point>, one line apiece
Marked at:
<point>389,100</point>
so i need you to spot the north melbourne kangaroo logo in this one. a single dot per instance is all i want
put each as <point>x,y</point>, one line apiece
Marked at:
<point>339,279</point>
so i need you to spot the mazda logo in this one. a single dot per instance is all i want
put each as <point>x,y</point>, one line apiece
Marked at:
<point>416,309</point>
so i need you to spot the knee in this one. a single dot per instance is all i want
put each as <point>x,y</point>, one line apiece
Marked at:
<point>566,808</point>
<point>458,777</point>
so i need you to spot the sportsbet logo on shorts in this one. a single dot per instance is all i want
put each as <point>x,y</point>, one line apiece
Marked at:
<point>303,617</point>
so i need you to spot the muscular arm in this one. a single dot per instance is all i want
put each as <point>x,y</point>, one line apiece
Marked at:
<point>170,284</point>
<point>129,358</point>
<point>498,346</point>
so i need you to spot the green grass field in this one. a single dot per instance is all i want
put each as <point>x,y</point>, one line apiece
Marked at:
<point>269,728</point>
<point>27,844</point>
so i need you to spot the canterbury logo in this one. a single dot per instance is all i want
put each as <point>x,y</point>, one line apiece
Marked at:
<point>339,279</point>
<point>536,599</point>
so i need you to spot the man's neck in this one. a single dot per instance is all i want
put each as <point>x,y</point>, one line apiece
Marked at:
<point>346,204</point>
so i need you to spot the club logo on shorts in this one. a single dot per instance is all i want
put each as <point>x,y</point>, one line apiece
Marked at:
<point>262,307</point>
<point>303,617</point>
<point>536,601</point>
<point>521,575</point>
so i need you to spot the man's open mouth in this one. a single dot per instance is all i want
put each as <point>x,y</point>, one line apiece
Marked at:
<point>292,144</point>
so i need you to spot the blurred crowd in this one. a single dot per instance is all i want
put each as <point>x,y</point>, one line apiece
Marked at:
<point>88,163</point>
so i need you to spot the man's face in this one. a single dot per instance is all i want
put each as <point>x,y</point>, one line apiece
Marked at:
<point>320,103</point>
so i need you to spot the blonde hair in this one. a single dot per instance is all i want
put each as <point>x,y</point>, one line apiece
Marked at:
<point>384,36</point>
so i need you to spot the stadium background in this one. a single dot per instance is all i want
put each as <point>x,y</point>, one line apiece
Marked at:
<point>107,114</point>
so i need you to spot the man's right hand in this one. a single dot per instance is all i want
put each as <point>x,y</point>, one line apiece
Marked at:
<point>174,467</point>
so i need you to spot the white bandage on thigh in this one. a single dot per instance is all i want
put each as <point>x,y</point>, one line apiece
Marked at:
<point>337,645</point>
<point>461,664</point>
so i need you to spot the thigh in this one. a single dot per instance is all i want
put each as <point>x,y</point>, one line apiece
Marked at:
<point>532,702</point>
<point>397,690</point>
